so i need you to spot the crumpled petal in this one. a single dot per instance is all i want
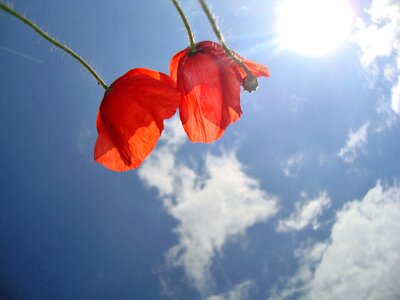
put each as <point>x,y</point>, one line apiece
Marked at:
<point>210,84</point>
<point>130,118</point>
<point>256,69</point>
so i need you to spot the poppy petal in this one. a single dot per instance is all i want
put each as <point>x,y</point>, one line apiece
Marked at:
<point>211,94</point>
<point>130,118</point>
<point>256,69</point>
<point>173,66</point>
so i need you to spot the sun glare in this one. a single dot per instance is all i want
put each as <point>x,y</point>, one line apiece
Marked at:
<point>313,27</point>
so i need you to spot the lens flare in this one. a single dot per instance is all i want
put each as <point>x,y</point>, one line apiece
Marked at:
<point>313,27</point>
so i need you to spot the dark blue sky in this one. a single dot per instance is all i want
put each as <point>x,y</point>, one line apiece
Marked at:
<point>299,185</point>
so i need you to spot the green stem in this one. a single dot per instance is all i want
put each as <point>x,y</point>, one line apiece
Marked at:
<point>218,34</point>
<point>187,26</point>
<point>54,42</point>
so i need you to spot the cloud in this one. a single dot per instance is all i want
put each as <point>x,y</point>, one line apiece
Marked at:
<point>84,136</point>
<point>211,206</point>
<point>379,37</point>
<point>291,166</point>
<point>361,260</point>
<point>20,54</point>
<point>396,97</point>
<point>390,117</point>
<point>308,257</point>
<point>306,213</point>
<point>241,291</point>
<point>159,169</point>
<point>355,141</point>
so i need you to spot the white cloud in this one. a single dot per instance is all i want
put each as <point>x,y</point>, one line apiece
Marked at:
<point>361,260</point>
<point>242,291</point>
<point>379,37</point>
<point>84,136</point>
<point>396,97</point>
<point>211,207</point>
<point>308,256</point>
<point>390,73</point>
<point>355,141</point>
<point>159,169</point>
<point>307,213</point>
<point>388,121</point>
<point>291,166</point>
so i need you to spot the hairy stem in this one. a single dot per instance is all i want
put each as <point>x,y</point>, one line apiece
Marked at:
<point>219,36</point>
<point>54,42</point>
<point>187,26</point>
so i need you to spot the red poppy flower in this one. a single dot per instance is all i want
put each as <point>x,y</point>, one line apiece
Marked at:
<point>130,118</point>
<point>210,83</point>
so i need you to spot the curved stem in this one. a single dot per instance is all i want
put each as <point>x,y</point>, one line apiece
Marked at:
<point>218,34</point>
<point>187,26</point>
<point>54,42</point>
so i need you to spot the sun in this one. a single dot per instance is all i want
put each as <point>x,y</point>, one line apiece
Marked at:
<point>313,27</point>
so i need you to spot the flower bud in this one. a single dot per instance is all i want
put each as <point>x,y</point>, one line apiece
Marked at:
<point>250,83</point>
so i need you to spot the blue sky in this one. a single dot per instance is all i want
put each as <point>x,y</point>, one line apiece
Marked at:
<point>300,199</point>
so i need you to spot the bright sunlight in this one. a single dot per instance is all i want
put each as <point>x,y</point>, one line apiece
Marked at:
<point>313,27</point>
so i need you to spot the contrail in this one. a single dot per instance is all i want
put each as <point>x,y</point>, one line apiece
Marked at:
<point>6,49</point>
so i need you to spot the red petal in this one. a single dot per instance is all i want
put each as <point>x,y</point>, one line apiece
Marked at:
<point>173,66</point>
<point>256,69</point>
<point>130,118</point>
<point>211,92</point>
